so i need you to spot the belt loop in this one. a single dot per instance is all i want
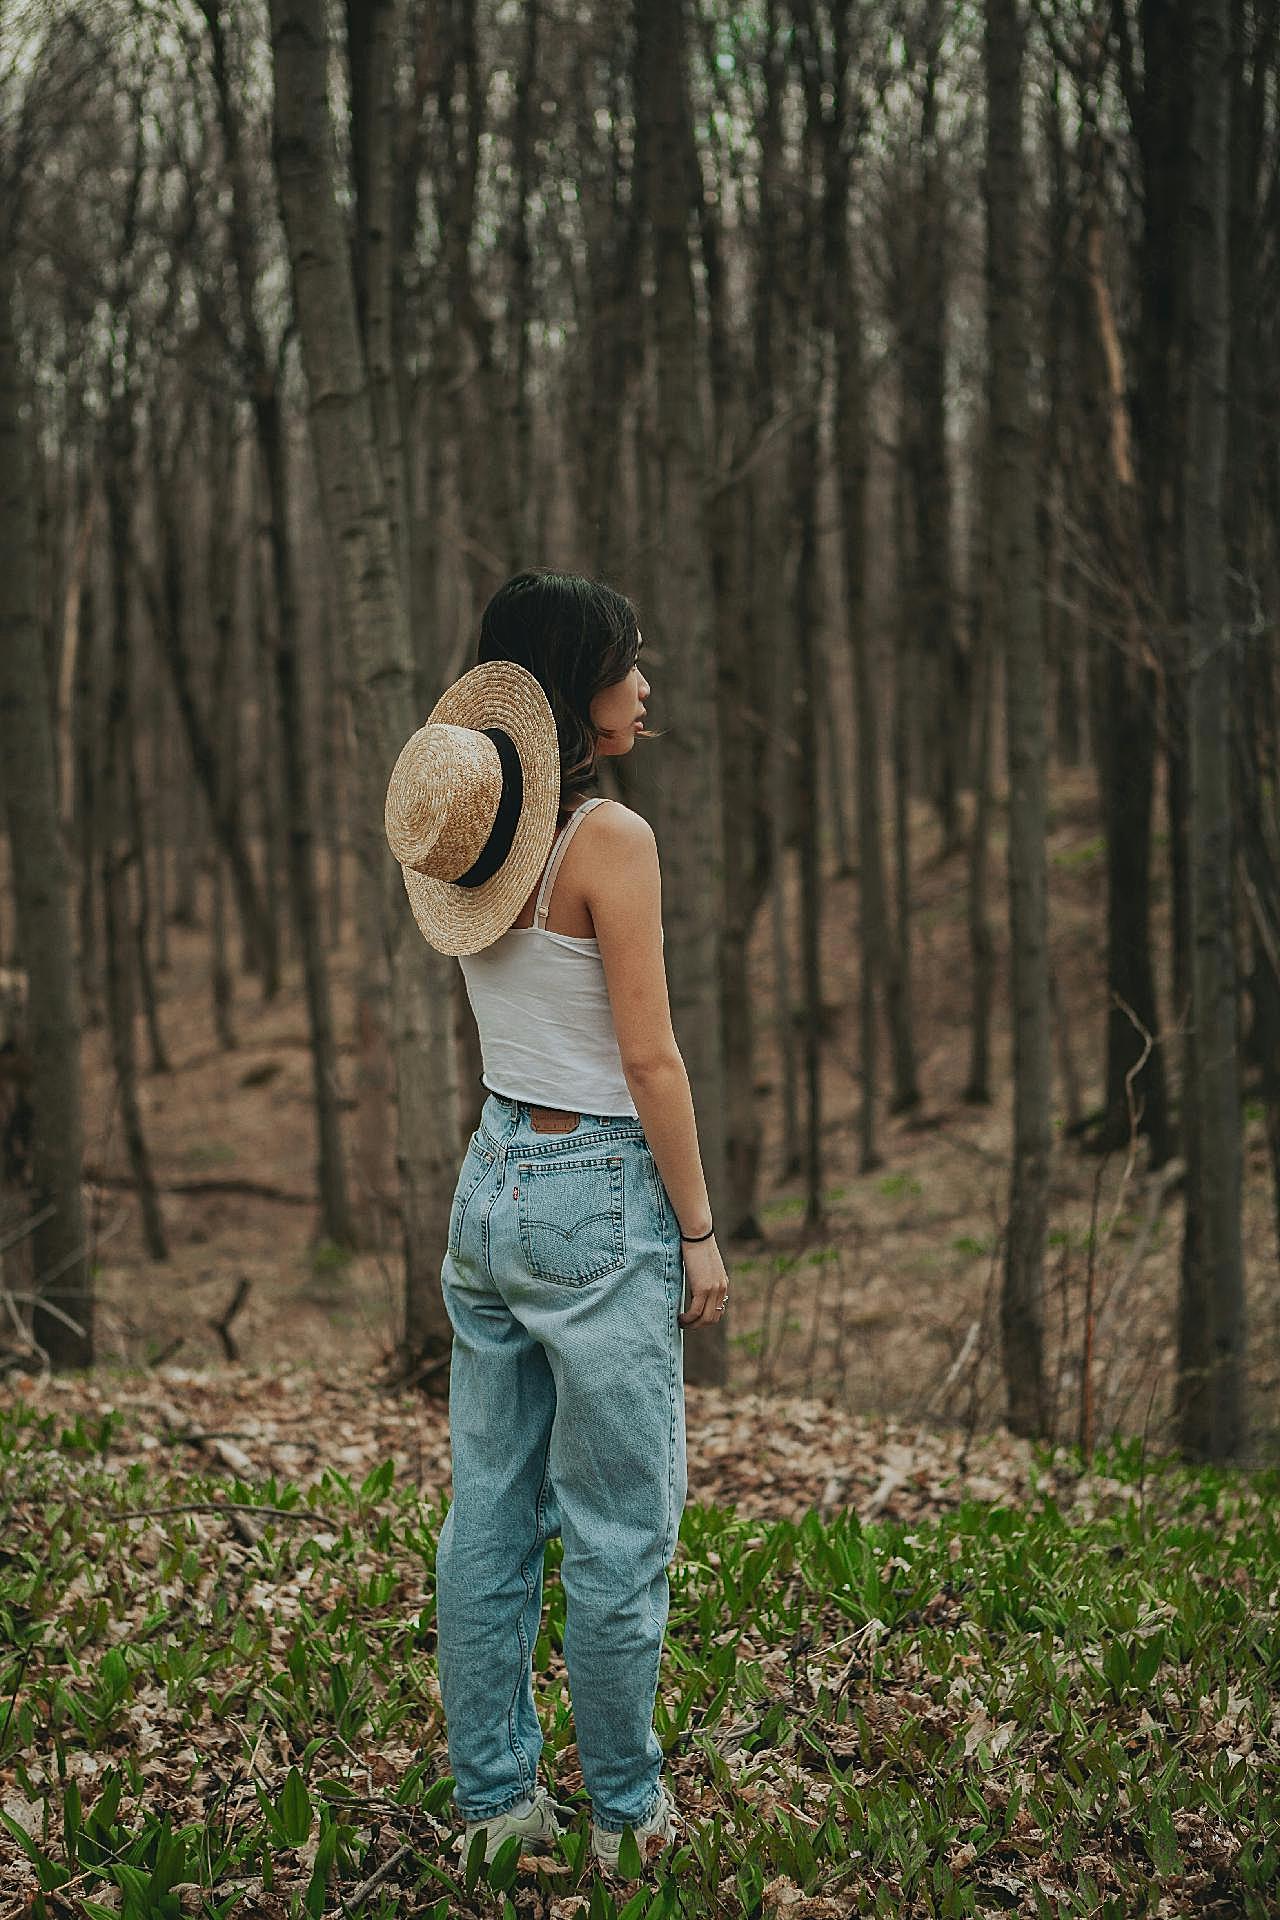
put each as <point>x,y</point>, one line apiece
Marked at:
<point>509,1136</point>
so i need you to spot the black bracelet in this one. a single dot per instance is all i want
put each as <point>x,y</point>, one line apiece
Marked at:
<point>694,1238</point>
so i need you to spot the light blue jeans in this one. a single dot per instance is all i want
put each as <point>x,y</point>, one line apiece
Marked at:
<point>563,1280</point>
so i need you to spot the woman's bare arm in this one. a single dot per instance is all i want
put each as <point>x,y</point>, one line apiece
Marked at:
<point>623,890</point>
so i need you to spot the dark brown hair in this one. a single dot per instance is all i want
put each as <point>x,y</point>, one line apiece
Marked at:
<point>575,636</point>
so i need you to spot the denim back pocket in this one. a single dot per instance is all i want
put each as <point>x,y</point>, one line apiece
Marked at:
<point>478,1161</point>
<point>571,1218</point>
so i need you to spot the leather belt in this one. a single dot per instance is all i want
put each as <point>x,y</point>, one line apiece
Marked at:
<point>553,1119</point>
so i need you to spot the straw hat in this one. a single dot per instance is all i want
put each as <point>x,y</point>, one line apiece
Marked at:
<point>472,804</point>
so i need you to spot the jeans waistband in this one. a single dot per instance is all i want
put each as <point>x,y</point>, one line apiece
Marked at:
<point>514,1117</point>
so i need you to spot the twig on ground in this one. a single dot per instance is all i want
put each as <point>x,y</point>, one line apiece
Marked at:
<point>220,1506</point>
<point>375,1879</point>
<point>222,1327</point>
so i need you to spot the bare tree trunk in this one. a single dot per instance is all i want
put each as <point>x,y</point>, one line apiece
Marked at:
<point>741,699</point>
<point>981,943</point>
<point>374,1078</point>
<point>86,504</point>
<point>87,733</point>
<point>118,850</point>
<point>372,27</point>
<point>1251,535</point>
<point>371,31</point>
<point>898,983</point>
<point>165,598</point>
<point>1127,714</point>
<point>742,718</point>
<point>1161,109</point>
<point>523,163</point>
<point>192,810</point>
<point>609,315</point>
<point>268,773</point>
<point>296,725</point>
<point>781,749</point>
<point>687,800</point>
<point>142,919</point>
<point>1211,1318</point>
<point>748,638</point>
<point>332,791</point>
<point>354,503</point>
<point>809,243</point>
<point>832,772</point>
<point>1259,734</point>
<point>1017,615</point>
<point>162,800</point>
<point>436,559</point>
<point>471,385</point>
<point>224,529</point>
<point>1155,80</point>
<point>930,466</point>
<point>876,969</point>
<point>806,608</point>
<point>1060,630</point>
<point>63,1275</point>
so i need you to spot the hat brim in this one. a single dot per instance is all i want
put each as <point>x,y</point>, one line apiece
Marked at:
<point>497,693</point>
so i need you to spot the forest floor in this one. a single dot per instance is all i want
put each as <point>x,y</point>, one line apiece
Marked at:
<point>916,1665</point>
<point>890,1310</point>
<point>1013,1684</point>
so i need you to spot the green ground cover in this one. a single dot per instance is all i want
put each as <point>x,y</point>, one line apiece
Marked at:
<point>1067,1709</point>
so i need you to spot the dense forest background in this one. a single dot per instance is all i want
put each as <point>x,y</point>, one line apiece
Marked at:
<point>913,366</point>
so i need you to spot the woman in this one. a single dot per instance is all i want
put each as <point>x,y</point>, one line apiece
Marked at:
<point>580,1211</point>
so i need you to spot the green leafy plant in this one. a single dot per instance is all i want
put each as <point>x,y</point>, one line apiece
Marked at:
<point>993,1704</point>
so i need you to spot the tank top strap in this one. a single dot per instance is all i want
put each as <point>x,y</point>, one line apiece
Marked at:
<point>565,835</point>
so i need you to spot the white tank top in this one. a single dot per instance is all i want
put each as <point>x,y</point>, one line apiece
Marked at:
<point>542,1007</point>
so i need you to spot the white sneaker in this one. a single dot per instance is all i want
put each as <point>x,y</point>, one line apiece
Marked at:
<point>539,1827</point>
<point>653,1836</point>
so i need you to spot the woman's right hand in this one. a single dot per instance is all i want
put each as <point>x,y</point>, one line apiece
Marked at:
<point>708,1283</point>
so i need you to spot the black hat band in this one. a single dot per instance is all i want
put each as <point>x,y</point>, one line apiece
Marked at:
<point>506,820</point>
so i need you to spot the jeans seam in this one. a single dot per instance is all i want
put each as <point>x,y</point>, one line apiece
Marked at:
<point>500,1148</point>
<point>465,1198</point>
<point>526,1652</point>
<point>668,1544</point>
<point>484,1223</point>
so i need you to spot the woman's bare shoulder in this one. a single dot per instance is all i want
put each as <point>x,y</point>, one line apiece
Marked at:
<point>621,826</point>
<point>619,841</point>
